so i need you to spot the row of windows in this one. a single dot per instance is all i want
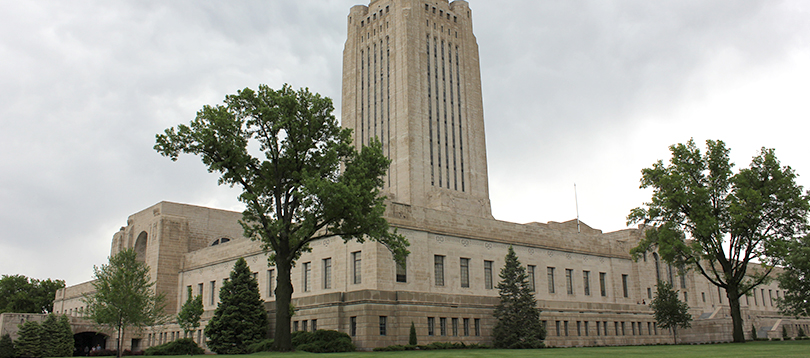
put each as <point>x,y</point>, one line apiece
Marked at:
<point>373,17</point>
<point>455,330</point>
<point>583,328</point>
<point>441,13</point>
<point>155,339</point>
<point>311,325</point>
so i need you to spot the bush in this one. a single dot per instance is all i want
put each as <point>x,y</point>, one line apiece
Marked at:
<point>784,332</point>
<point>322,341</point>
<point>261,346</point>
<point>128,352</point>
<point>6,347</point>
<point>396,348</point>
<point>183,346</point>
<point>753,332</point>
<point>801,332</point>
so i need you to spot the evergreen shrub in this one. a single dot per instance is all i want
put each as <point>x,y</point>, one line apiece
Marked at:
<point>261,346</point>
<point>183,346</point>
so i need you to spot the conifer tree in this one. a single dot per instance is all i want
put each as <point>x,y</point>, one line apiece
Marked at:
<point>412,335</point>
<point>49,337</point>
<point>65,341</point>
<point>6,347</point>
<point>29,343</point>
<point>518,317</point>
<point>670,312</point>
<point>190,313</point>
<point>240,318</point>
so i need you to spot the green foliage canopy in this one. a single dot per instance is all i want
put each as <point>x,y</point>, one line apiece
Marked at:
<point>19,294</point>
<point>124,295</point>
<point>518,317</point>
<point>240,318</point>
<point>704,216</point>
<point>295,191</point>
<point>795,279</point>
<point>189,316</point>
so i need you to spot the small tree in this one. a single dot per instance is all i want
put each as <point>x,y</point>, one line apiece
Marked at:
<point>801,332</point>
<point>670,312</point>
<point>240,318</point>
<point>190,313</point>
<point>6,347</point>
<point>412,335</point>
<point>52,338</point>
<point>29,342</point>
<point>518,317</point>
<point>123,295</point>
<point>753,332</point>
<point>784,333</point>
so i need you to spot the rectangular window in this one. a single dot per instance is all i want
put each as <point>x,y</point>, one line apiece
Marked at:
<point>682,275</point>
<point>569,281</point>
<point>477,322</point>
<point>565,328</point>
<point>770,297</point>
<point>649,293</point>
<point>488,275</point>
<point>304,325</point>
<point>295,326</point>
<point>200,289</point>
<point>586,329</point>
<point>624,286</point>
<point>623,331</point>
<point>531,270</point>
<point>649,328</point>
<point>314,325</point>
<point>327,273</point>
<point>466,327</point>
<point>557,324</point>
<point>402,271</point>
<point>383,325</point>
<point>586,281</point>
<point>465,272</point>
<point>190,292</point>
<point>455,326</point>
<point>256,277</point>
<point>685,297</point>
<point>603,283</point>
<point>306,273</point>
<point>633,327</point>
<point>579,328</point>
<point>431,324</point>
<point>213,291</point>
<point>438,269</point>
<point>604,325</point>
<point>270,278</point>
<point>616,327</point>
<point>356,260</point>
<point>550,273</point>
<point>754,294</point>
<point>353,326</point>
<point>443,326</point>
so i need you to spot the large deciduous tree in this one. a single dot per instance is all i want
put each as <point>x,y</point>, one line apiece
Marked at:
<point>795,279</point>
<point>20,294</point>
<point>124,295</point>
<point>518,317</point>
<point>704,216</point>
<point>240,318</point>
<point>670,312</point>
<point>294,192</point>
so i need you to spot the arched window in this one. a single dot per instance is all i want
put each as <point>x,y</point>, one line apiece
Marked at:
<point>220,241</point>
<point>140,246</point>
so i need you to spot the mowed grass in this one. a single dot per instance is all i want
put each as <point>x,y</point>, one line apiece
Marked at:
<point>750,349</point>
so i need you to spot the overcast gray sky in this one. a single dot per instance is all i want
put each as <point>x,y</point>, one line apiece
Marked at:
<point>585,92</point>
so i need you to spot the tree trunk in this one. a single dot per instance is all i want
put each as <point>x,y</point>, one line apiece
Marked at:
<point>284,291</point>
<point>675,335</point>
<point>120,338</point>
<point>736,316</point>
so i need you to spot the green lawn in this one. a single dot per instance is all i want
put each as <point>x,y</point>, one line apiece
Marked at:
<point>750,349</point>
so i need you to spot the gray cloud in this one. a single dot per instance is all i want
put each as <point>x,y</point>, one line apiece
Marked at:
<point>573,92</point>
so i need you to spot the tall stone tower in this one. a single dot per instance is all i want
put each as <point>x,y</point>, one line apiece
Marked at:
<point>411,79</point>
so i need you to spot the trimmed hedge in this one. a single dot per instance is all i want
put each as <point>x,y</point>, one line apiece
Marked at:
<point>183,346</point>
<point>322,341</point>
<point>431,347</point>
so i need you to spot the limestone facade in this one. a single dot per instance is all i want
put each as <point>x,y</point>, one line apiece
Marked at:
<point>411,79</point>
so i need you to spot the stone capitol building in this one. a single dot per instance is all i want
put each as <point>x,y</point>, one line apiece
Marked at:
<point>411,78</point>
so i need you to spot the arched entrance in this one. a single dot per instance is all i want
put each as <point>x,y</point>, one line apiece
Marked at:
<point>84,342</point>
